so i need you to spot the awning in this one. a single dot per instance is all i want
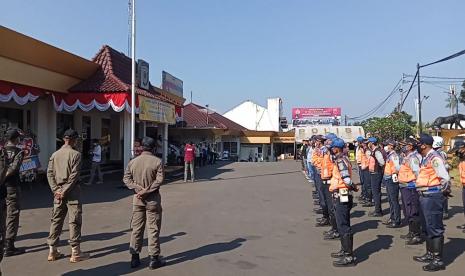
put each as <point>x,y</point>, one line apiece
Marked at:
<point>88,101</point>
<point>21,94</point>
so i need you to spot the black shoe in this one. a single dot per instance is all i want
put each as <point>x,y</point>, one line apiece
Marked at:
<point>348,259</point>
<point>387,222</point>
<point>408,236</point>
<point>445,216</point>
<point>437,264</point>
<point>428,256</point>
<point>332,236</point>
<point>323,222</point>
<point>393,225</point>
<point>368,204</point>
<point>339,254</point>
<point>11,250</point>
<point>135,260</point>
<point>375,214</point>
<point>461,227</point>
<point>414,240</point>
<point>156,262</point>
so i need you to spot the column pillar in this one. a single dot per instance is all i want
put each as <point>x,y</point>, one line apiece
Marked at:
<point>165,143</point>
<point>127,151</point>
<point>46,129</point>
<point>272,152</point>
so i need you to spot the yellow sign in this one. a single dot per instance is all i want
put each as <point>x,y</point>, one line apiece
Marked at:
<point>156,111</point>
<point>284,140</point>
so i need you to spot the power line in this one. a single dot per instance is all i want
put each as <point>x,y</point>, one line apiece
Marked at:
<point>379,106</point>
<point>436,77</point>
<point>408,92</point>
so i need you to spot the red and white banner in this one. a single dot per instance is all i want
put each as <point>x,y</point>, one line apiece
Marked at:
<point>21,94</point>
<point>302,113</point>
<point>88,101</point>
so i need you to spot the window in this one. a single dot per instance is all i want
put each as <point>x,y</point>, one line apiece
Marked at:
<point>231,147</point>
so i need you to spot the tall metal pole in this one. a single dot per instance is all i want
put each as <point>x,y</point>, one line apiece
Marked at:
<point>420,127</point>
<point>133,76</point>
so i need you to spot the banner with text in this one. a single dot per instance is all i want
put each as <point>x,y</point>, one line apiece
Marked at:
<point>156,111</point>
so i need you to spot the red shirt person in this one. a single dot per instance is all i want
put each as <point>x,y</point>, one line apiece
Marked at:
<point>189,157</point>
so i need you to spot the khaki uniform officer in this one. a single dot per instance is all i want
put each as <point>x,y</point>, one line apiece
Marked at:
<point>144,175</point>
<point>63,177</point>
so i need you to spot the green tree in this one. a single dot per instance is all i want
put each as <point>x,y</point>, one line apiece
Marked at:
<point>397,125</point>
<point>462,94</point>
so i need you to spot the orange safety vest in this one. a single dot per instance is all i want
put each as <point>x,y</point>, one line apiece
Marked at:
<point>360,154</point>
<point>427,177</point>
<point>406,173</point>
<point>317,159</point>
<point>373,164</point>
<point>364,163</point>
<point>462,172</point>
<point>390,167</point>
<point>336,181</point>
<point>326,167</point>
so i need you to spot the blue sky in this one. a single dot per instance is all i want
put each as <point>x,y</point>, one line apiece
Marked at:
<point>311,53</point>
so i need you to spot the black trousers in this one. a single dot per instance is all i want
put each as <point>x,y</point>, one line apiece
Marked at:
<point>343,215</point>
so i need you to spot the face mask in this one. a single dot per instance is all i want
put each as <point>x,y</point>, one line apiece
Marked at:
<point>386,148</point>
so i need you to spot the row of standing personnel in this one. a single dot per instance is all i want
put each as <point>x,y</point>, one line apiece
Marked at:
<point>144,175</point>
<point>419,173</point>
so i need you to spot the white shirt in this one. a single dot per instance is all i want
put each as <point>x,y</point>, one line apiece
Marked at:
<point>97,154</point>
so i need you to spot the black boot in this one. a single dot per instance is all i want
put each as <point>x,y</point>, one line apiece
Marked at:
<point>416,237</point>
<point>156,262</point>
<point>348,259</point>
<point>340,253</point>
<point>11,250</point>
<point>323,222</point>
<point>332,235</point>
<point>428,256</point>
<point>437,245</point>
<point>135,260</point>
<point>409,235</point>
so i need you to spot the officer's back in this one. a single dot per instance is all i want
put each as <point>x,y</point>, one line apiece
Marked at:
<point>64,164</point>
<point>146,171</point>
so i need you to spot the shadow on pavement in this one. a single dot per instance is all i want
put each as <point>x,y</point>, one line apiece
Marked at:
<point>357,214</point>
<point>454,210</point>
<point>383,242</point>
<point>453,249</point>
<point>206,250</point>
<point>122,268</point>
<point>117,248</point>
<point>365,225</point>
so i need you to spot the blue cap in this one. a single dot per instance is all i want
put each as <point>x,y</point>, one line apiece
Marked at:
<point>360,139</point>
<point>372,140</point>
<point>338,143</point>
<point>330,136</point>
<point>426,139</point>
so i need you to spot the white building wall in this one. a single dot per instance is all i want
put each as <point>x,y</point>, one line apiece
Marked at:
<point>255,117</point>
<point>45,120</point>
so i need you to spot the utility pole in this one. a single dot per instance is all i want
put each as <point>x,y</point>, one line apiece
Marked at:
<point>191,96</point>
<point>207,113</point>
<point>345,120</point>
<point>133,76</point>
<point>420,127</point>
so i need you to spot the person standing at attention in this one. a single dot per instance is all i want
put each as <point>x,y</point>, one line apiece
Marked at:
<point>189,155</point>
<point>96,161</point>
<point>144,174</point>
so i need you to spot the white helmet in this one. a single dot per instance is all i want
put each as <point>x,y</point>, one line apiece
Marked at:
<point>438,142</point>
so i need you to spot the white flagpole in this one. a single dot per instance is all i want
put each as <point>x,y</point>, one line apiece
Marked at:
<point>133,76</point>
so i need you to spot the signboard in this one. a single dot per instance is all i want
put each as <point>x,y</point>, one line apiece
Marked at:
<point>153,110</point>
<point>172,84</point>
<point>347,133</point>
<point>284,140</point>
<point>143,74</point>
<point>316,116</point>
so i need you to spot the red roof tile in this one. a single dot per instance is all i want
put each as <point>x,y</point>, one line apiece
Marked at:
<point>195,116</point>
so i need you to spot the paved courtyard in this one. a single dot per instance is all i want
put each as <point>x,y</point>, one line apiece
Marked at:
<point>239,219</point>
